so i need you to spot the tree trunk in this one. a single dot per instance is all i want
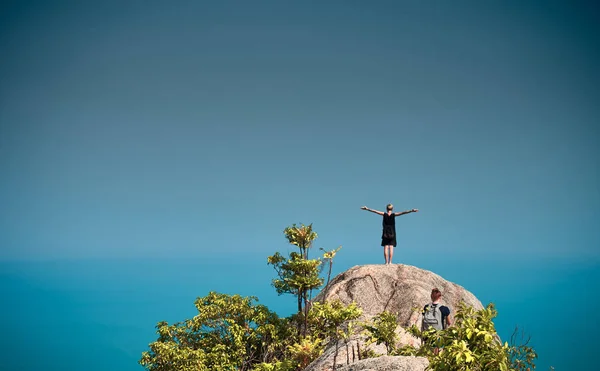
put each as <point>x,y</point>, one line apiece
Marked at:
<point>299,313</point>
<point>337,347</point>
<point>305,314</point>
<point>347,355</point>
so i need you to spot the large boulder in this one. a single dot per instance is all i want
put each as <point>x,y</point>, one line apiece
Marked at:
<point>396,288</point>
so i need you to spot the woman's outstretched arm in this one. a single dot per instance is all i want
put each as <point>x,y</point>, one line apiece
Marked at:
<point>406,212</point>
<point>373,211</point>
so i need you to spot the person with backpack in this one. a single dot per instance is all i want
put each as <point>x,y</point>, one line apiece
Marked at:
<point>388,235</point>
<point>435,315</point>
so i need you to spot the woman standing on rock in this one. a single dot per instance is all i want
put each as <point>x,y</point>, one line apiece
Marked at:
<point>388,236</point>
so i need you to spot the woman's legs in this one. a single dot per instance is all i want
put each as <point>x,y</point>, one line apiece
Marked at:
<point>388,253</point>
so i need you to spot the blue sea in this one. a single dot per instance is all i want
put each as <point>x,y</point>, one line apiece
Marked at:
<point>100,314</point>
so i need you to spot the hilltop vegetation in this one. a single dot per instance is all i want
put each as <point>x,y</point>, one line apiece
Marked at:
<point>231,332</point>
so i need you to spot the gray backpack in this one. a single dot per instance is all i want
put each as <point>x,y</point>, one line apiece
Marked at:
<point>432,317</point>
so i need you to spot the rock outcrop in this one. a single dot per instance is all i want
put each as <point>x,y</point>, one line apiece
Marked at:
<point>387,363</point>
<point>396,288</point>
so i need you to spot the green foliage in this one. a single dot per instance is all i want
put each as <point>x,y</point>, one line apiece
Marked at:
<point>327,322</point>
<point>521,355</point>
<point>297,274</point>
<point>368,353</point>
<point>302,236</point>
<point>286,365</point>
<point>228,333</point>
<point>332,319</point>
<point>305,351</point>
<point>382,330</point>
<point>231,332</point>
<point>328,256</point>
<point>472,344</point>
<point>165,355</point>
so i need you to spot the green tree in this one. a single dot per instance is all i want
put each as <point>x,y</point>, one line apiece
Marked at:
<point>230,332</point>
<point>328,257</point>
<point>382,330</point>
<point>333,321</point>
<point>298,275</point>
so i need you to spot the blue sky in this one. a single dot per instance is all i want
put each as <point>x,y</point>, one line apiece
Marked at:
<point>198,130</point>
<point>145,128</point>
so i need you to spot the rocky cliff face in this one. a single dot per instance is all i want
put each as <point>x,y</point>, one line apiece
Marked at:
<point>396,288</point>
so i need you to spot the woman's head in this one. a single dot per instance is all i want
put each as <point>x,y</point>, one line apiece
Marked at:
<point>435,294</point>
<point>390,207</point>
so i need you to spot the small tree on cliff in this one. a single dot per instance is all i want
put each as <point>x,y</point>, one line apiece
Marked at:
<point>298,275</point>
<point>382,330</point>
<point>328,257</point>
<point>333,321</point>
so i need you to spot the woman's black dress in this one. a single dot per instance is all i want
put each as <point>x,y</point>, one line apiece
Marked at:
<point>388,235</point>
